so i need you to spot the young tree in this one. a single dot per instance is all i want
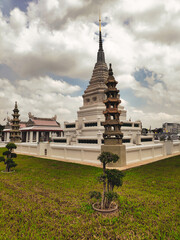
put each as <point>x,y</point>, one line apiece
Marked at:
<point>105,158</point>
<point>9,155</point>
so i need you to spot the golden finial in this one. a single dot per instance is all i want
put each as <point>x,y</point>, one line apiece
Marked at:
<point>99,20</point>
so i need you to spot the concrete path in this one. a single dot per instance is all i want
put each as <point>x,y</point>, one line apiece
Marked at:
<point>132,165</point>
<point>137,164</point>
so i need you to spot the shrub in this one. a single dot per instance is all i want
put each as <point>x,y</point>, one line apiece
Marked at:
<point>9,155</point>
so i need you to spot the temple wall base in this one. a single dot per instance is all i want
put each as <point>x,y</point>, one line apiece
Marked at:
<point>120,150</point>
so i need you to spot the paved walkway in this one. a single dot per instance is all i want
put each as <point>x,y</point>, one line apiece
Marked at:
<point>132,165</point>
<point>137,164</point>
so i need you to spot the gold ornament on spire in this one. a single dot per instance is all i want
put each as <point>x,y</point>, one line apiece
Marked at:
<point>99,20</point>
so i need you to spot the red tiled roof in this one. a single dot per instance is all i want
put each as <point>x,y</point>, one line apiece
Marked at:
<point>40,122</point>
<point>22,125</point>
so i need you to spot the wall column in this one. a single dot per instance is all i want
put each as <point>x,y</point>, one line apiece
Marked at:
<point>5,136</point>
<point>37,136</point>
<point>31,137</point>
<point>26,136</point>
<point>8,136</point>
<point>50,134</point>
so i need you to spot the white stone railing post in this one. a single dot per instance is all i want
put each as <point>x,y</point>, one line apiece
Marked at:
<point>76,124</point>
<point>138,138</point>
<point>83,123</point>
<point>68,138</point>
<point>98,121</point>
<point>99,137</point>
<point>130,134</point>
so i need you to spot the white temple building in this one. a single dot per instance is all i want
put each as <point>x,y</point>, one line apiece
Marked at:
<point>88,129</point>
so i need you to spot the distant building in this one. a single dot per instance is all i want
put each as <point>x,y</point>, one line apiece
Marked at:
<point>173,128</point>
<point>35,129</point>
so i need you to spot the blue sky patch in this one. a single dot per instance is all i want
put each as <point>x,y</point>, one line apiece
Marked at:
<point>129,96</point>
<point>8,73</point>
<point>72,81</point>
<point>8,5</point>
<point>142,74</point>
<point>127,21</point>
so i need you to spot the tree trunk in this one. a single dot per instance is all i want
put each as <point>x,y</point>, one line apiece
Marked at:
<point>108,186</point>
<point>7,168</point>
<point>104,188</point>
<point>111,187</point>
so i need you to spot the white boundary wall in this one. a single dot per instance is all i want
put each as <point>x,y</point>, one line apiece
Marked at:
<point>2,144</point>
<point>144,152</point>
<point>78,153</point>
<point>176,147</point>
<point>89,154</point>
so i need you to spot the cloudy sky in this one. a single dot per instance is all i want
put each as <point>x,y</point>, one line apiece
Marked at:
<point>48,51</point>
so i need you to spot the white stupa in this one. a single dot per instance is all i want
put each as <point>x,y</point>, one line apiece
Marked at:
<point>88,129</point>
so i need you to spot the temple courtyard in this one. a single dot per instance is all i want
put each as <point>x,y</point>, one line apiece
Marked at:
<point>47,199</point>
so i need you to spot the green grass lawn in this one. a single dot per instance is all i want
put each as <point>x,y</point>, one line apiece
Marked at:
<point>47,199</point>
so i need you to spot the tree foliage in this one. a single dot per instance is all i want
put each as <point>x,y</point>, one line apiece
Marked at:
<point>114,178</point>
<point>107,157</point>
<point>110,196</point>
<point>11,146</point>
<point>95,194</point>
<point>9,155</point>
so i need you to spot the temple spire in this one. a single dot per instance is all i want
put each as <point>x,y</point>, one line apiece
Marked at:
<point>100,55</point>
<point>99,21</point>
<point>16,105</point>
<point>94,93</point>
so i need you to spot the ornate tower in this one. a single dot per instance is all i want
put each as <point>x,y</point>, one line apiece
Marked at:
<point>112,134</point>
<point>15,132</point>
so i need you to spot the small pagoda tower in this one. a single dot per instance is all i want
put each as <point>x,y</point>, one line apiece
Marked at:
<point>15,132</point>
<point>113,135</point>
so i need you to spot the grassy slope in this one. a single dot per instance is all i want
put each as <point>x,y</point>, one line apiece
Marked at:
<point>46,199</point>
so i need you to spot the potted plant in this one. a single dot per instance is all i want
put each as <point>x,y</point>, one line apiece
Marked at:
<point>110,178</point>
<point>8,159</point>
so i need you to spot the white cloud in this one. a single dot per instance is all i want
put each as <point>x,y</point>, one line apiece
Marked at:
<point>58,37</point>
<point>17,20</point>
<point>125,81</point>
<point>47,85</point>
<point>42,96</point>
